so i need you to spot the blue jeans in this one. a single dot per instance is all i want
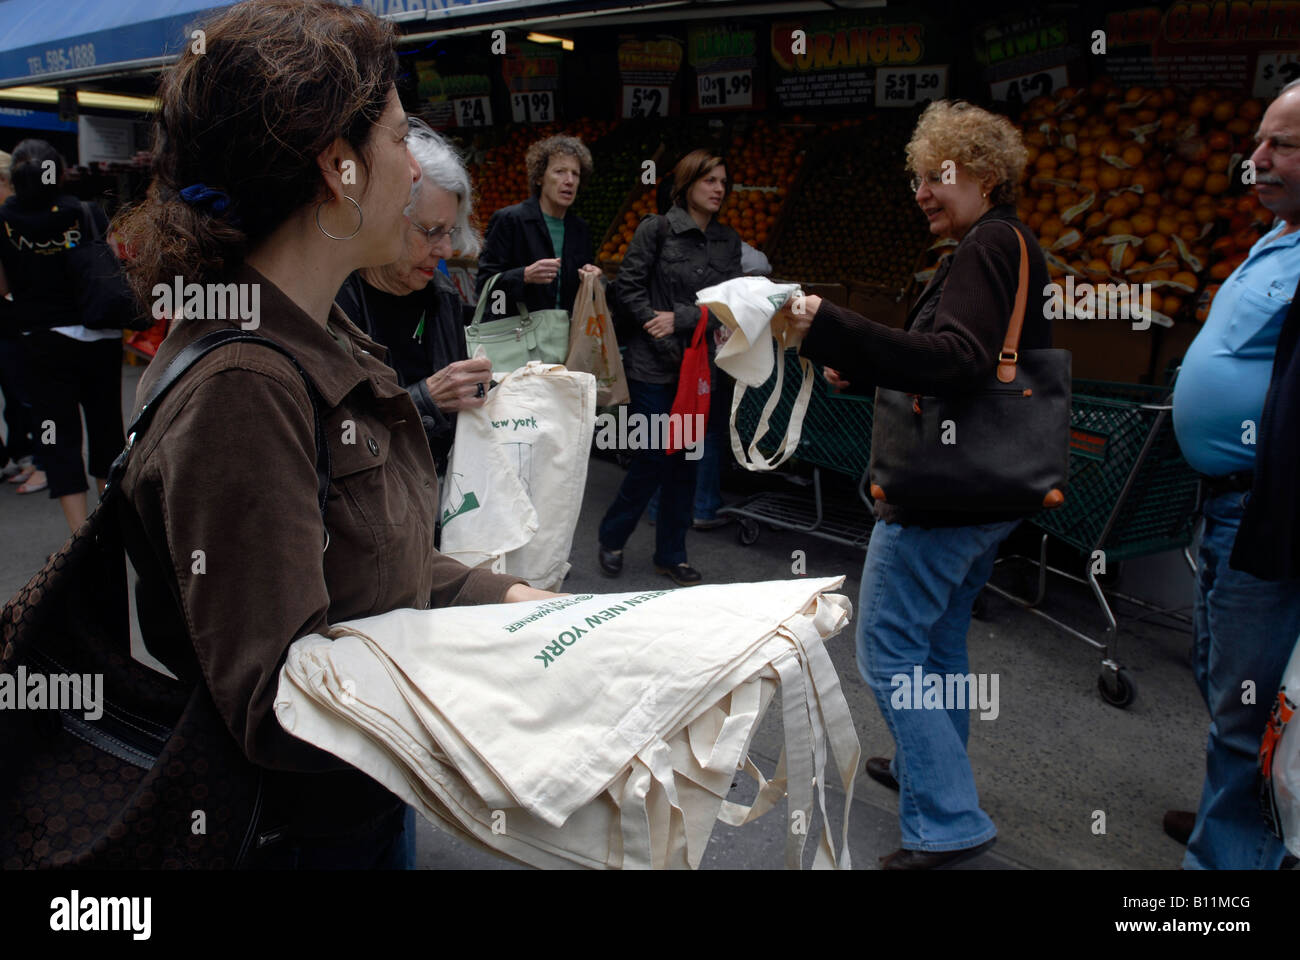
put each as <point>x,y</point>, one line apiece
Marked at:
<point>649,471</point>
<point>1245,630</point>
<point>717,447</point>
<point>918,586</point>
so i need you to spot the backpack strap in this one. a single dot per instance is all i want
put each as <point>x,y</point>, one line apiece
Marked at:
<point>190,355</point>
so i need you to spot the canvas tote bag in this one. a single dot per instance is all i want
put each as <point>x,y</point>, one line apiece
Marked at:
<point>747,305</point>
<point>517,473</point>
<point>604,729</point>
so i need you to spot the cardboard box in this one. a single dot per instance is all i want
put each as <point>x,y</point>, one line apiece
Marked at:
<point>1105,349</point>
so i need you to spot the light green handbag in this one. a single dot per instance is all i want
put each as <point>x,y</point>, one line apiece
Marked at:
<point>510,342</point>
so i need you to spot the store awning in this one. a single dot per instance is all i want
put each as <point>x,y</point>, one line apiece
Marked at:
<point>54,43</point>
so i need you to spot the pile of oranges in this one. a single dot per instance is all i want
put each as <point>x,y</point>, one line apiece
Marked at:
<point>762,166</point>
<point>615,246</point>
<point>1142,186</point>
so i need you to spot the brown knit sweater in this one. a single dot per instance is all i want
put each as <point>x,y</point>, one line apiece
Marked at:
<point>952,337</point>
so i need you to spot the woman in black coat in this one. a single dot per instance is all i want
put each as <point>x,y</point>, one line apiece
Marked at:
<point>670,258</point>
<point>541,247</point>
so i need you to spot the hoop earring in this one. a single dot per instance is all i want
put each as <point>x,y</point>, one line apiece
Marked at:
<point>360,220</point>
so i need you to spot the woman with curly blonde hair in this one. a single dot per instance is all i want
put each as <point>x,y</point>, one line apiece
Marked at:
<point>924,568</point>
<point>541,247</point>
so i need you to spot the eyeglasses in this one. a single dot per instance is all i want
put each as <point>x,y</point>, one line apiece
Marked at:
<point>932,178</point>
<point>432,236</point>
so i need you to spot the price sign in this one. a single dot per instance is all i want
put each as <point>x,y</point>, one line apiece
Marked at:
<point>1273,71</point>
<point>644,102</point>
<point>536,107</point>
<point>908,86</point>
<point>720,90</point>
<point>473,111</point>
<point>1020,90</point>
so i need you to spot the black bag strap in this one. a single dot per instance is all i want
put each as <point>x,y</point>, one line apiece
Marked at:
<point>92,223</point>
<point>190,355</point>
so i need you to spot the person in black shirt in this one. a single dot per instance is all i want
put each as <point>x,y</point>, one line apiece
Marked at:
<point>71,369</point>
<point>413,309</point>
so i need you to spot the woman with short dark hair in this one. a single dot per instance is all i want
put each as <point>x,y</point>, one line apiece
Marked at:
<point>540,248</point>
<point>70,369</point>
<point>281,166</point>
<point>669,259</point>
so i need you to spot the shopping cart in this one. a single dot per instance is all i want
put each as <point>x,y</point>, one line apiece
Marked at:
<point>1131,495</point>
<point>836,436</point>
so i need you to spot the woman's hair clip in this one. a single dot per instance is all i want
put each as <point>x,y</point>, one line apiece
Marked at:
<point>201,195</point>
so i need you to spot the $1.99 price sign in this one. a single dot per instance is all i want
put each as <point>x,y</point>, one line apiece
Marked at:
<point>908,86</point>
<point>536,107</point>
<point>473,111</point>
<point>644,102</point>
<point>719,91</point>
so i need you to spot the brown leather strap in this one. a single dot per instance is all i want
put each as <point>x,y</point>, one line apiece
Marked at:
<point>1010,346</point>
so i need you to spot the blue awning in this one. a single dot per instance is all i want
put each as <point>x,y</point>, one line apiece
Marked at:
<point>50,42</point>
<point>59,42</point>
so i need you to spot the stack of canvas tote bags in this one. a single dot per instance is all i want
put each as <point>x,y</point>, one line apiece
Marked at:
<point>599,731</point>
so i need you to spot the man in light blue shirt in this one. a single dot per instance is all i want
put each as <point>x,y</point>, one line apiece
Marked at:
<point>1245,627</point>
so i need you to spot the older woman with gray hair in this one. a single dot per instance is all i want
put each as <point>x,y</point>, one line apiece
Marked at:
<point>413,309</point>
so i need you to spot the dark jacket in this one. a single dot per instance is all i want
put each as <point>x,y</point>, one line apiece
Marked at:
<point>516,237</point>
<point>228,468</point>
<point>1268,542</point>
<point>392,321</point>
<point>34,253</point>
<point>953,333</point>
<point>652,279</point>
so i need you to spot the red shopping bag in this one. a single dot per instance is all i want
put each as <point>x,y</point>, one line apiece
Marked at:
<point>693,388</point>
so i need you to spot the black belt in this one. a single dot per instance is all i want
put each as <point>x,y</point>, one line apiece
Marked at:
<point>1238,482</point>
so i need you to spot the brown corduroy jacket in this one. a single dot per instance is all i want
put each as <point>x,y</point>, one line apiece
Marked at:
<point>224,488</point>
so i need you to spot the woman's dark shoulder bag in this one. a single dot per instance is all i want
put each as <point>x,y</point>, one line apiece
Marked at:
<point>104,762</point>
<point>1004,446</point>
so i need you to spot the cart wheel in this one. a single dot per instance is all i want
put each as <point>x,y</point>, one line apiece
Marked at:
<point>1116,687</point>
<point>747,531</point>
<point>980,609</point>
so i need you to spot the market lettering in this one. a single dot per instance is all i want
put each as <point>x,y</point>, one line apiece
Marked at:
<point>711,46</point>
<point>857,47</point>
<point>1232,20</point>
<point>1133,26</point>
<point>1021,43</point>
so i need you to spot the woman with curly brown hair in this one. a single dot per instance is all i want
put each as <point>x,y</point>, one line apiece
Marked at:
<point>541,247</point>
<point>280,167</point>
<point>924,568</point>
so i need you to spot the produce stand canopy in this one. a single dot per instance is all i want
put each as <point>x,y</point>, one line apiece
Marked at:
<point>72,39</point>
